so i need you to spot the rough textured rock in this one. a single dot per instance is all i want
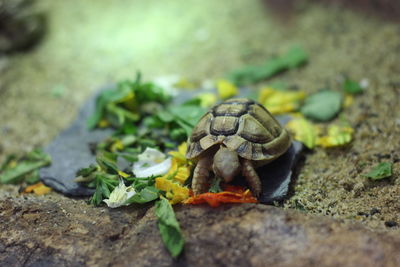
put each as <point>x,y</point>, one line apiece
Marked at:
<point>20,26</point>
<point>46,232</point>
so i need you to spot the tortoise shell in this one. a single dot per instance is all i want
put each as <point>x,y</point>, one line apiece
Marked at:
<point>242,125</point>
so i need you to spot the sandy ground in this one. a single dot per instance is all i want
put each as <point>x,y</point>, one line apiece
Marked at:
<point>93,43</point>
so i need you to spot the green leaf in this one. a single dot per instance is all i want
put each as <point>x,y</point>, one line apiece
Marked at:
<point>122,103</point>
<point>86,171</point>
<point>98,195</point>
<point>128,128</point>
<point>7,161</point>
<point>165,116</point>
<point>189,114</point>
<point>105,184</point>
<point>107,162</point>
<point>146,195</point>
<point>322,106</point>
<point>24,166</point>
<point>294,58</point>
<point>106,97</point>
<point>169,228</point>
<point>119,116</point>
<point>180,134</point>
<point>215,185</point>
<point>303,131</point>
<point>380,171</point>
<point>352,87</point>
<point>186,117</point>
<point>33,177</point>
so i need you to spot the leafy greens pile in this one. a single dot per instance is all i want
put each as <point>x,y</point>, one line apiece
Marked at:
<point>143,116</point>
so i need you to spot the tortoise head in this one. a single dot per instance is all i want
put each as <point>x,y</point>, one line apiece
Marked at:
<point>226,164</point>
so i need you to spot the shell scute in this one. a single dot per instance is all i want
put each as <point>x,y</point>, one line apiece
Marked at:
<point>229,109</point>
<point>224,125</point>
<point>202,128</point>
<point>253,131</point>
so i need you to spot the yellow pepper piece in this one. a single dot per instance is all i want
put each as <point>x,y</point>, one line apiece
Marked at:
<point>184,83</point>
<point>103,123</point>
<point>278,102</point>
<point>123,174</point>
<point>182,175</point>
<point>337,136</point>
<point>117,145</point>
<point>127,98</point>
<point>207,99</point>
<point>180,154</point>
<point>304,131</point>
<point>172,171</point>
<point>226,89</point>
<point>174,192</point>
<point>38,189</point>
<point>348,100</point>
<point>13,164</point>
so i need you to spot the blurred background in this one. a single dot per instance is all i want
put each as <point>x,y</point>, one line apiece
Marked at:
<point>54,54</point>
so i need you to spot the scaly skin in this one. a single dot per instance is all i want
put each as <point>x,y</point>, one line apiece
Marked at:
<point>200,175</point>
<point>251,176</point>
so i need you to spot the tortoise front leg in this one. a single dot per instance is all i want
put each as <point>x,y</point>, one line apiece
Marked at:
<point>251,176</point>
<point>200,175</point>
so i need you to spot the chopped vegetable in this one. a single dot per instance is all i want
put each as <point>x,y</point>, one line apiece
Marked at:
<point>182,174</point>
<point>304,131</point>
<point>15,170</point>
<point>178,119</point>
<point>186,116</point>
<point>119,195</point>
<point>172,183</point>
<point>147,194</point>
<point>348,100</point>
<point>184,83</point>
<point>207,99</point>
<point>180,155</point>
<point>352,87</point>
<point>234,194</point>
<point>226,89</point>
<point>278,101</point>
<point>170,231</point>
<point>107,162</point>
<point>322,106</point>
<point>294,58</point>
<point>380,171</point>
<point>215,185</point>
<point>151,163</point>
<point>125,103</point>
<point>104,184</point>
<point>38,189</point>
<point>337,136</point>
<point>174,192</point>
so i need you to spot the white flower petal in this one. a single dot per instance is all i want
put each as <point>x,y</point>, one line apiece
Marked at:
<point>151,155</point>
<point>119,195</point>
<point>144,169</point>
<point>167,83</point>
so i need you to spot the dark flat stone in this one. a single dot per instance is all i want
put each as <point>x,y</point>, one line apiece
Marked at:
<point>70,152</point>
<point>277,175</point>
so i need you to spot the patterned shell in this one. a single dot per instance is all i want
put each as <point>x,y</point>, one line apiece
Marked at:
<point>242,125</point>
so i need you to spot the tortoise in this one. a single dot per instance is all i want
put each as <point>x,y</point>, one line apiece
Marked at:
<point>236,136</point>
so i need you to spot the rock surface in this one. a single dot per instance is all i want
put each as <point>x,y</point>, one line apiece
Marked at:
<point>44,232</point>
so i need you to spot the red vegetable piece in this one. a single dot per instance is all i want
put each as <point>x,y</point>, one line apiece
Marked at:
<point>232,194</point>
